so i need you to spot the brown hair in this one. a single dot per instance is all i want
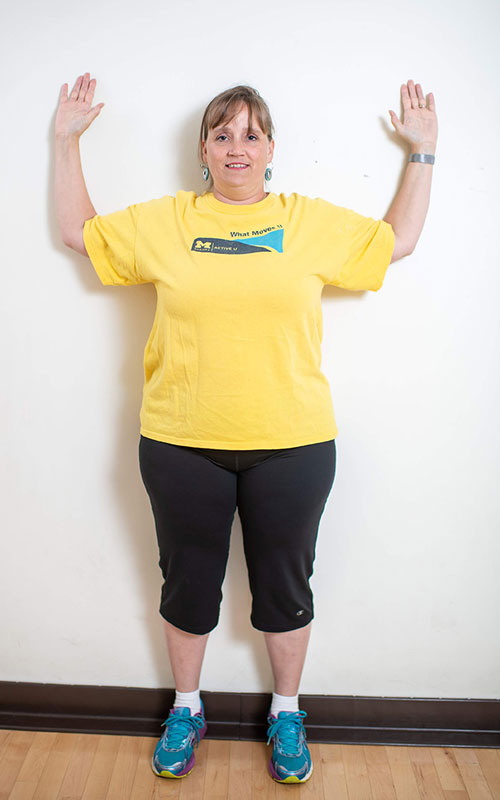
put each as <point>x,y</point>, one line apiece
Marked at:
<point>225,106</point>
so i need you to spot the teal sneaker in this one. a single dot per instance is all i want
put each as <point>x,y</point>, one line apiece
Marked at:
<point>174,756</point>
<point>291,760</point>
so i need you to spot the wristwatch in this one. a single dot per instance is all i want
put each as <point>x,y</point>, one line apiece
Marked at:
<point>423,158</point>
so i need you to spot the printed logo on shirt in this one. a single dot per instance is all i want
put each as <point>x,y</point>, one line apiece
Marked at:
<point>254,242</point>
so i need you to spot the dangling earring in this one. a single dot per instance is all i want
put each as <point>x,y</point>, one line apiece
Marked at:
<point>268,174</point>
<point>205,173</point>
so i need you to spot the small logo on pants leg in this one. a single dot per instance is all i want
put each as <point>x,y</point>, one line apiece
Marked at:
<point>299,613</point>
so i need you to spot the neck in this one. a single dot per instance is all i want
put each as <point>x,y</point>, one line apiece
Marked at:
<point>239,197</point>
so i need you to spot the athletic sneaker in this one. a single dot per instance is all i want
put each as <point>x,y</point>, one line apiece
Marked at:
<point>291,760</point>
<point>174,756</point>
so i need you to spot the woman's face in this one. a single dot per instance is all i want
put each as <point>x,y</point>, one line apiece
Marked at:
<point>237,157</point>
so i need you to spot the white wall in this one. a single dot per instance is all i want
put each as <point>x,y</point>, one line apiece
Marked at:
<point>406,576</point>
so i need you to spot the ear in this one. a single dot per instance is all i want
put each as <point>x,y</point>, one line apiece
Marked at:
<point>270,150</point>
<point>204,151</point>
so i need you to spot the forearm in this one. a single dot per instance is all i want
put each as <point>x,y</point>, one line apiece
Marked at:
<point>409,208</point>
<point>73,205</point>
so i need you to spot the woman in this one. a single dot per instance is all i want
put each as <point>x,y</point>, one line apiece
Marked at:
<point>236,411</point>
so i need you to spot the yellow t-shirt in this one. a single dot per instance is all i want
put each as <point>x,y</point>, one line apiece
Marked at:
<point>233,358</point>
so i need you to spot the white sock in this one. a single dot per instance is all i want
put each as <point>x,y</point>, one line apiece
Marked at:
<point>189,700</point>
<point>281,702</point>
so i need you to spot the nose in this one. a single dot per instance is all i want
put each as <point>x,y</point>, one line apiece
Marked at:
<point>236,148</point>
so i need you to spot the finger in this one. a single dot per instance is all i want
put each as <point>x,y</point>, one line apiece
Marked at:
<point>420,96</point>
<point>413,94</point>
<point>95,111</point>
<point>405,97</point>
<point>84,86</point>
<point>90,91</point>
<point>63,94</point>
<point>76,88</point>
<point>395,120</point>
<point>432,105</point>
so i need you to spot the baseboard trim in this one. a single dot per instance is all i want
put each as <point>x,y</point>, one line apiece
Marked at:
<point>128,711</point>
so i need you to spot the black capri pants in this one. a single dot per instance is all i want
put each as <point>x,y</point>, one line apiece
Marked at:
<point>280,495</point>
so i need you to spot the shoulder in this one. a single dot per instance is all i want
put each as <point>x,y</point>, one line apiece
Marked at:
<point>164,201</point>
<point>336,215</point>
<point>165,205</point>
<point>309,203</point>
<point>315,210</point>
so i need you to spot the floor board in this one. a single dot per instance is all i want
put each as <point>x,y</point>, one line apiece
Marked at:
<point>70,766</point>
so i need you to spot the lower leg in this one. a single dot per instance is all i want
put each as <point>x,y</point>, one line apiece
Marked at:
<point>287,653</point>
<point>185,726</point>
<point>291,760</point>
<point>186,651</point>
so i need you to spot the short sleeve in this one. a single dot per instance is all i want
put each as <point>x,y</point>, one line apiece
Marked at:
<point>110,241</point>
<point>361,252</point>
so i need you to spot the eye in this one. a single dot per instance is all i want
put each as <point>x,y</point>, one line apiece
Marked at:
<point>220,136</point>
<point>252,136</point>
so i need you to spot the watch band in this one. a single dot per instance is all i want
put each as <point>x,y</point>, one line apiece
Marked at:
<point>423,158</point>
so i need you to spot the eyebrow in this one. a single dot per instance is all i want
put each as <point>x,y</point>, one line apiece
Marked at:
<point>221,128</point>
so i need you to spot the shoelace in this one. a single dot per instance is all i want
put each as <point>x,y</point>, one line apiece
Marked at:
<point>179,727</point>
<point>288,728</point>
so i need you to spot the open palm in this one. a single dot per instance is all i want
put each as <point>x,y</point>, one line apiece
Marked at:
<point>419,123</point>
<point>75,113</point>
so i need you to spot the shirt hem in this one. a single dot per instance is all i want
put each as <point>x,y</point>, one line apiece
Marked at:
<point>254,444</point>
<point>387,251</point>
<point>94,254</point>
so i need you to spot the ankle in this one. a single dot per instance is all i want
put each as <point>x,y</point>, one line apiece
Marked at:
<point>189,700</point>
<point>282,702</point>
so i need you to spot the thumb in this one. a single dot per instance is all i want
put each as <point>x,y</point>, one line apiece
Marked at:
<point>395,121</point>
<point>95,111</point>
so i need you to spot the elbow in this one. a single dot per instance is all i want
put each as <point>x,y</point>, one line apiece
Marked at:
<point>75,243</point>
<point>74,240</point>
<point>67,239</point>
<point>402,245</point>
<point>402,249</point>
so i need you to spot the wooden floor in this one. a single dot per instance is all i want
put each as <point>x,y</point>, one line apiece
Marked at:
<point>70,766</point>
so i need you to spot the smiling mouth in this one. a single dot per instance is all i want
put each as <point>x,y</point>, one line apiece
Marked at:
<point>237,166</point>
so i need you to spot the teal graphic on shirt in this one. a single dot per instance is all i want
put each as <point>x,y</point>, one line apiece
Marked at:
<point>269,243</point>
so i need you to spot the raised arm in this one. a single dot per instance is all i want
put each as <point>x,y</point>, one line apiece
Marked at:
<point>73,205</point>
<point>409,207</point>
